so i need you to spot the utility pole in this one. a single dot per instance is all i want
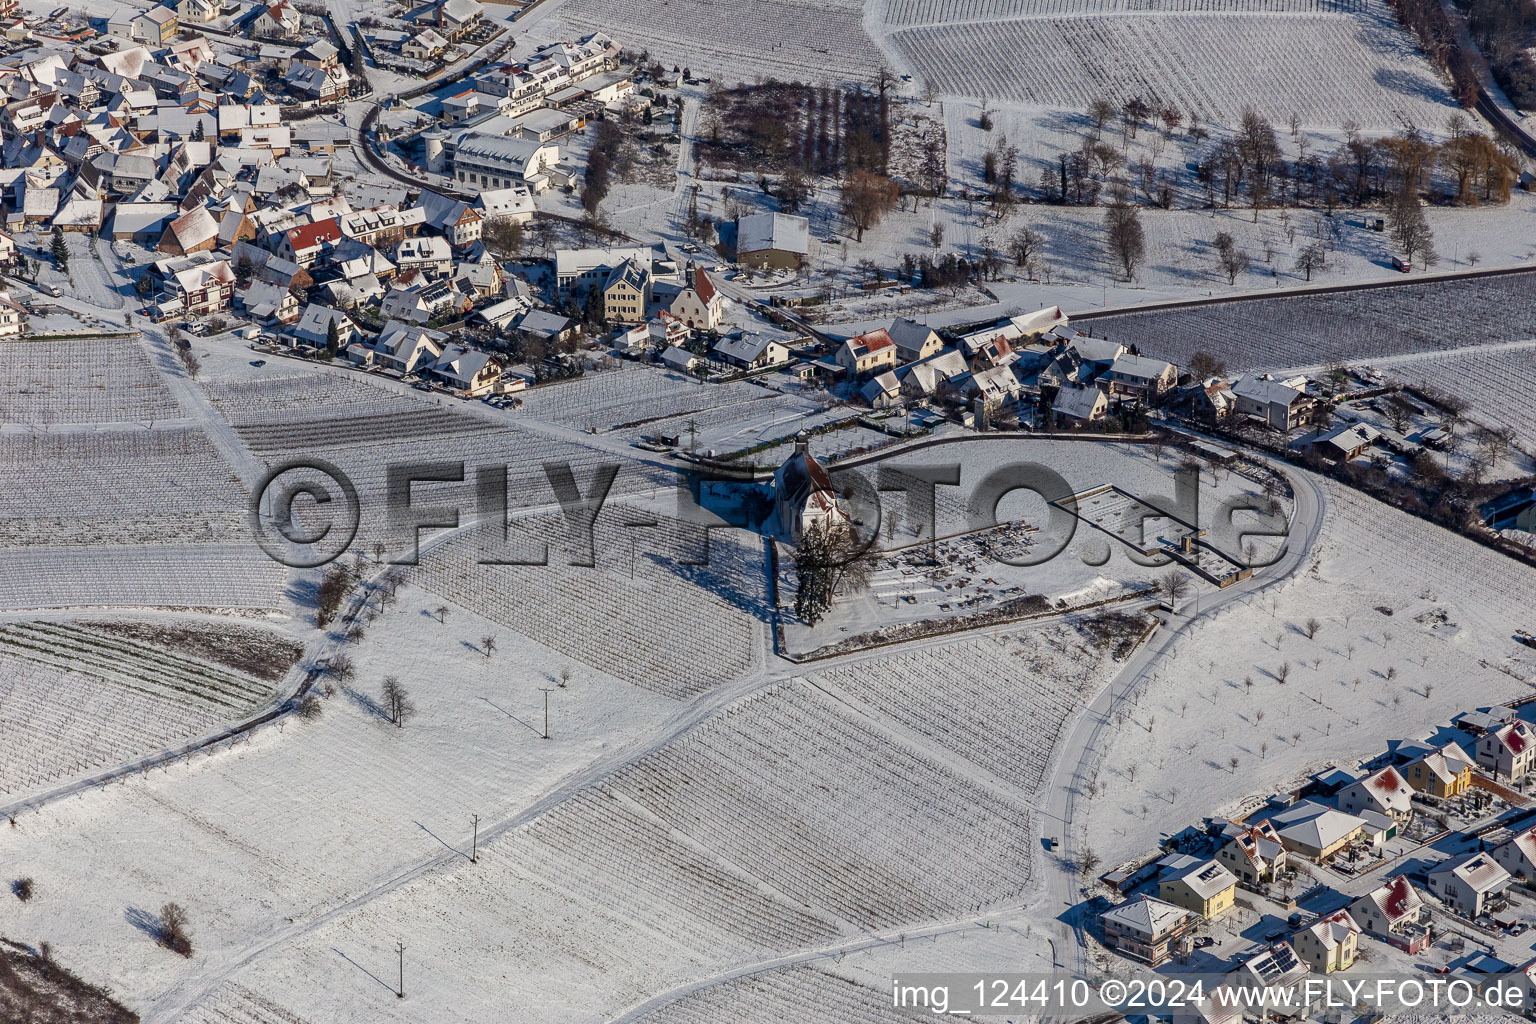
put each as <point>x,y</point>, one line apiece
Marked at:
<point>474,854</point>
<point>547,690</point>
<point>400,949</point>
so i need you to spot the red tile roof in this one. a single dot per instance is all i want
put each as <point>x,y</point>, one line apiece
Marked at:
<point>876,340</point>
<point>309,235</point>
<point>704,286</point>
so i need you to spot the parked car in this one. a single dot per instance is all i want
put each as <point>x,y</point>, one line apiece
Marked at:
<point>258,362</point>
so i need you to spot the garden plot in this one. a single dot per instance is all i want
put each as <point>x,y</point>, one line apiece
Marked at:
<point>235,577</point>
<point>997,701</point>
<point>1415,624</point>
<point>806,995</point>
<point>641,613</point>
<point>882,835</point>
<point>81,381</point>
<point>792,40</point>
<point>266,654</point>
<point>140,486</point>
<point>1356,326</point>
<point>1325,68</point>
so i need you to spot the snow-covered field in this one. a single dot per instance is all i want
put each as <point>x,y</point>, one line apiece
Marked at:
<point>641,611</point>
<point>1327,68</point>
<point>1354,327</point>
<point>141,486</point>
<point>112,380</point>
<point>794,40</point>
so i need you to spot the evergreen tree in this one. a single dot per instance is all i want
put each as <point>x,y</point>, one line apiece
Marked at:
<point>60,251</point>
<point>332,339</point>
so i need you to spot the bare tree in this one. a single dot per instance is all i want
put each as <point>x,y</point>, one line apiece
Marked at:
<point>441,611</point>
<point>397,702</point>
<point>488,642</point>
<point>1311,628</point>
<point>1087,860</point>
<point>310,707</point>
<point>1232,763</point>
<point>173,929</point>
<point>566,672</point>
<point>1123,233</point>
<point>1283,672</point>
<point>1175,585</point>
<point>1233,260</point>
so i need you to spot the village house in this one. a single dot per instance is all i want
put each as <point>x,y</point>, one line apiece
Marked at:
<point>1281,405</point>
<point>1342,443</point>
<point>627,292</point>
<point>1140,377</point>
<point>455,220</point>
<point>505,205</point>
<point>680,359</point>
<point>314,326</point>
<point>455,19</point>
<point>157,26</point>
<point>914,341</point>
<point>804,498</point>
<point>1395,913</point>
<point>576,270</point>
<point>1468,884</point>
<point>1276,968</point>
<point>1384,792</point>
<point>1076,406</point>
<point>539,326</point>
<point>1146,929</point>
<point>408,348</point>
<point>1330,943</point>
<point>1201,886</point>
<point>13,316</point>
<point>1507,751</point>
<point>1253,852</point>
<point>467,370</point>
<point>772,241</point>
<point>194,231</point>
<point>867,354</point>
<point>279,21</point>
<point>195,286</point>
<point>1316,831</point>
<point>429,254</point>
<point>304,244</point>
<point>882,391</point>
<point>751,351</point>
<point>1442,773</point>
<point>1517,855</point>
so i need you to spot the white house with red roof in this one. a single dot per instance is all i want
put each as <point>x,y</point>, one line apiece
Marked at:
<point>304,244</point>
<point>1507,751</point>
<point>1385,792</point>
<point>1469,883</point>
<point>700,304</point>
<point>1395,913</point>
<point>867,354</point>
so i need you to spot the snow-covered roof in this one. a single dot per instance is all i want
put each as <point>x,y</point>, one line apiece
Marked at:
<point>1333,929</point>
<point>1146,915</point>
<point>1205,878</point>
<point>1396,899</point>
<point>760,232</point>
<point>1079,403</point>
<point>1476,870</point>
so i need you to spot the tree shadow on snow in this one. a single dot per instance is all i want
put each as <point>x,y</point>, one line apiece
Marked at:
<point>366,703</point>
<point>145,922</point>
